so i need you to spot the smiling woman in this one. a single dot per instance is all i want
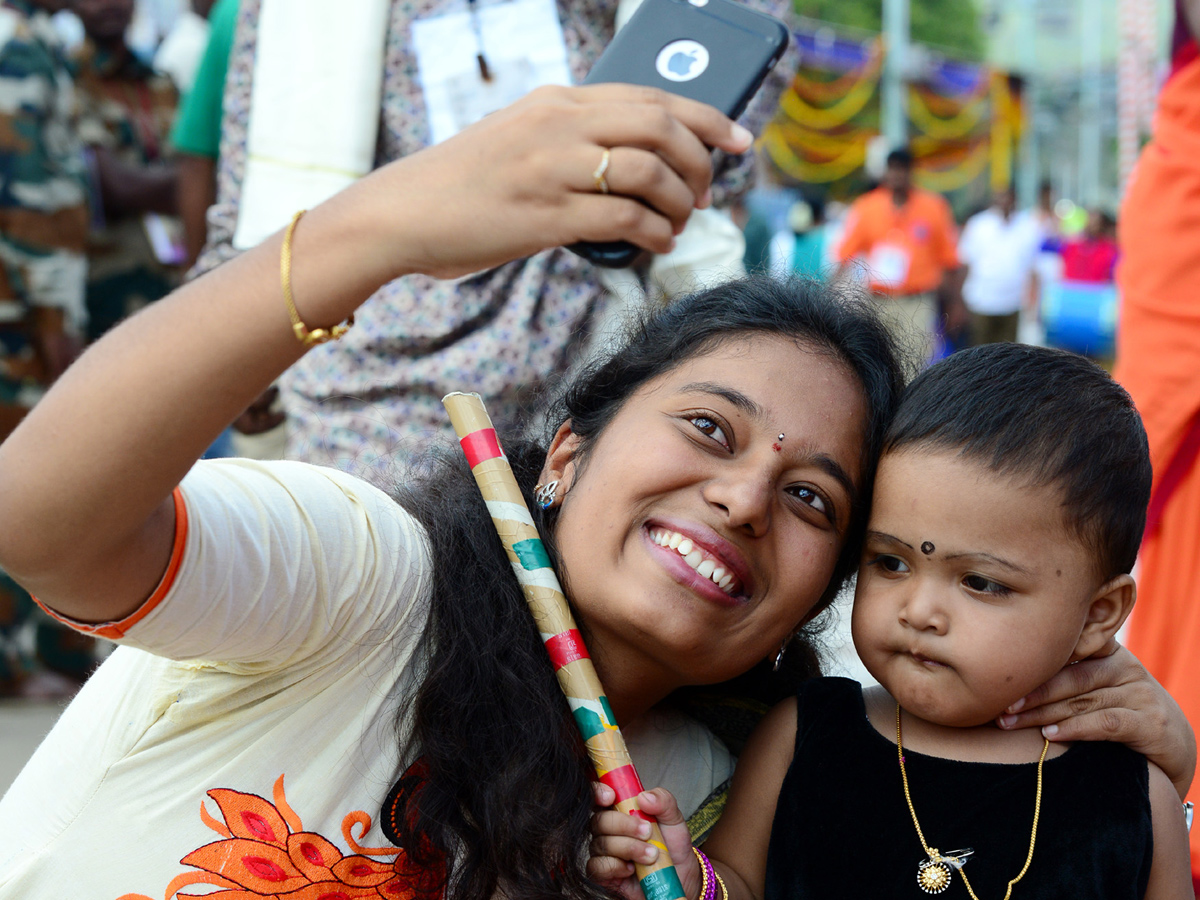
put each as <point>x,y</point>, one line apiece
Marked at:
<point>694,452</point>
<point>670,440</point>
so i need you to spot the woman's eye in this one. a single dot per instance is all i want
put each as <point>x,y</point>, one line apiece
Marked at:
<point>982,585</point>
<point>810,497</point>
<point>707,426</point>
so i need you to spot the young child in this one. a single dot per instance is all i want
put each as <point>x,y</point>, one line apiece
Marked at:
<point>1008,509</point>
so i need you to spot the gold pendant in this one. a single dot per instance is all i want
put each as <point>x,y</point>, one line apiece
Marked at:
<point>933,876</point>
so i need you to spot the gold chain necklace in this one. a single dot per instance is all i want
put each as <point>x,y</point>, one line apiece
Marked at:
<point>933,874</point>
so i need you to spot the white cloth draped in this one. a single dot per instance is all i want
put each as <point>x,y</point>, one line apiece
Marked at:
<point>314,112</point>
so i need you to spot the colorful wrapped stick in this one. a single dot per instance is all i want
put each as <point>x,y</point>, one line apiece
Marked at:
<point>576,674</point>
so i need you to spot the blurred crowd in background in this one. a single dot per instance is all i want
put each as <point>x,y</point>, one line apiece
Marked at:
<point>1044,274</point>
<point>97,154</point>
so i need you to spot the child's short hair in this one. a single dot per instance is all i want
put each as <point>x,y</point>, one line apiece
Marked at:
<point>1052,416</point>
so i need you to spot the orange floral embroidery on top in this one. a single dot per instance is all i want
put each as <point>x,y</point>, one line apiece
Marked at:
<point>266,853</point>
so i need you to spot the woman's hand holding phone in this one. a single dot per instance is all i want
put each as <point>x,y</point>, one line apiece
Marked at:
<point>522,179</point>
<point>714,51</point>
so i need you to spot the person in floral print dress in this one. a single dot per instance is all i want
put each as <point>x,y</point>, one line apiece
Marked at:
<point>374,398</point>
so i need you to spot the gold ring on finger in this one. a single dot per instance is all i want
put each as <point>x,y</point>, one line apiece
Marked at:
<point>598,175</point>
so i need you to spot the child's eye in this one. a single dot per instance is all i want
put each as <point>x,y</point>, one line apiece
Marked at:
<point>982,585</point>
<point>893,565</point>
<point>707,426</point>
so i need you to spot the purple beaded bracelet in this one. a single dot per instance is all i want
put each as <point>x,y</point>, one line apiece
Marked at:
<point>708,877</point>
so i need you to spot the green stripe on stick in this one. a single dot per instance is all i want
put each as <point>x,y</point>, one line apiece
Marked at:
<point>589,723</point>
<point>662,885</point>
<point>532,554</point>
<point>612,720</point>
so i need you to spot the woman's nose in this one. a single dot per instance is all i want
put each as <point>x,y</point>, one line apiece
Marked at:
<point>744,494</point>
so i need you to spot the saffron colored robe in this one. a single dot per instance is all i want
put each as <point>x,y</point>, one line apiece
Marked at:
<point>1158,362</point>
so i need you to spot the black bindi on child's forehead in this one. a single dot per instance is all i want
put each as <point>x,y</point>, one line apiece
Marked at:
<point>927,547</point>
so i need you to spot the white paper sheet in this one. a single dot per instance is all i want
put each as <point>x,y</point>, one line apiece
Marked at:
<point>522,41</point>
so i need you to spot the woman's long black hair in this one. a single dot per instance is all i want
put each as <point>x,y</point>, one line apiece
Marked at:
<point>504,791</point>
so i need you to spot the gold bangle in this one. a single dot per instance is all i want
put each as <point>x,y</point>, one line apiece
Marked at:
<point>721,885</point>
<point>307,337</point>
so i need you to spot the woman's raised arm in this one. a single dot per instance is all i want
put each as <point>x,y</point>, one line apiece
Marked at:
<point>86,520</point>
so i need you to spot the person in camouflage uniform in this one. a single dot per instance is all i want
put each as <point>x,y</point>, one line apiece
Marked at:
<point>43,212</point>
<point>124,116</point>
<point>43,231</point>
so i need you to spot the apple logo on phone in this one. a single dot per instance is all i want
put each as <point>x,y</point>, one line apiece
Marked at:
<point>682,60</point>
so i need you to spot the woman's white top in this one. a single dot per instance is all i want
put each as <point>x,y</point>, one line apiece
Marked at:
<point>243,737</point>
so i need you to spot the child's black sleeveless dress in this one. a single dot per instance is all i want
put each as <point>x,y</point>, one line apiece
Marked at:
<point>843,830</point>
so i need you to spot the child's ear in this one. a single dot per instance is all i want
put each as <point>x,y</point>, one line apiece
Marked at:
<point>1109,608</point>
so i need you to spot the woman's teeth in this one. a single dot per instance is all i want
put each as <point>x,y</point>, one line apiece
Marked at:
<point>705,565</point>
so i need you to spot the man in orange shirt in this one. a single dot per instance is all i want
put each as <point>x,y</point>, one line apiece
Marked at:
<point>906,238</point>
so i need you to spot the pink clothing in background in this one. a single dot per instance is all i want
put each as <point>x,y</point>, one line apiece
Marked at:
<point>1091,261</point>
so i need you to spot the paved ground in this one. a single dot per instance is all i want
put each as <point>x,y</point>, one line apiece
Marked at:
<point>23,724</point>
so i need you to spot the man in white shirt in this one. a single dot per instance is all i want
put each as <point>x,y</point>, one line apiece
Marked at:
<point>999,248</point>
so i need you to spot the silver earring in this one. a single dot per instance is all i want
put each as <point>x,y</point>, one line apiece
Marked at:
<point>544,494</point>
<point>779,656</point>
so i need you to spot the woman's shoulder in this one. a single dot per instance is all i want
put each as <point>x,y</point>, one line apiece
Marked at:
<point>281,469</point>
<point>301,505</point>
<point>303,511</point>
<point>282,560</point>
<point>289,485</point>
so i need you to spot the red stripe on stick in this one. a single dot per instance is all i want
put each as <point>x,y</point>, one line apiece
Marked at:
<point>480,446</point>
<point>566,648</point>
<point>624,781</point>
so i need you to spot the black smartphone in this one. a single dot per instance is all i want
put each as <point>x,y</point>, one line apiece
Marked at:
<point>715,51</point>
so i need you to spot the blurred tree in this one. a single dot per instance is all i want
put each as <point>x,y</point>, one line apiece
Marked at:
<point>949,24</point>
